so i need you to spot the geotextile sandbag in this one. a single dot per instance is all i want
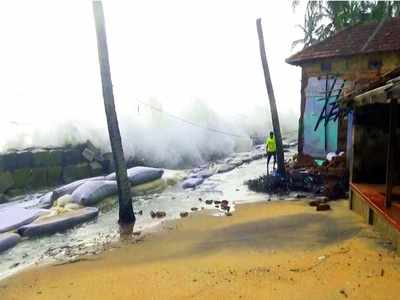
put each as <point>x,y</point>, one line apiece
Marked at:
<point>59,223</point>
<point>8,240</point>
<point>92,192</point>
<point>225,168</point>
<point>139,175</point>
<point>71,187</point>
<point>14,217</point>
<point>46,200</point>
<point>203,173</point>
<point>236,162</point>
<point>192,182</point>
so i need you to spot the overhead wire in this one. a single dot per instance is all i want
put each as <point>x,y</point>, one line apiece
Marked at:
<point>192,123</point>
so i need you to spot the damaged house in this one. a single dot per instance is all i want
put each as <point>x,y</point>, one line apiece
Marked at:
<point>332,68</point>
<point>375,176</point>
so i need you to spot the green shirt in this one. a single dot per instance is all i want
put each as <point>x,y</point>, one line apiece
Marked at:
<point>271,144</point>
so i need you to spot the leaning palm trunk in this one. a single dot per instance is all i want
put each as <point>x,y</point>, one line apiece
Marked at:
<point>126,215</point>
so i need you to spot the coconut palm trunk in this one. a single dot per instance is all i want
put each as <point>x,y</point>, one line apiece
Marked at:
<point>126,215</point>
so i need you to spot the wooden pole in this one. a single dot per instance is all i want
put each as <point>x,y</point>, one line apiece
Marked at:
<point>126,215</point>
<point>272,104</point>
<point>390,165</point>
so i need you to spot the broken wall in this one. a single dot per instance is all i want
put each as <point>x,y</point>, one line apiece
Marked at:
<point>356,72</point>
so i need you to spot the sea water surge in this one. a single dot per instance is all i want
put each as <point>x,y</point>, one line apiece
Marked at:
<point>94,236</point>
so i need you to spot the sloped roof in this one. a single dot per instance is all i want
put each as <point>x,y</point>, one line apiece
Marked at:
<point>382,84</point>
<point>358,39</point>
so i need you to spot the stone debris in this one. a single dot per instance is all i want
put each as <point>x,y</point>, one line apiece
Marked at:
<point>330,179</point>
<point>158,214</point>
<point>224,205</point>
<point>184,214</point>
<point>323,207</point>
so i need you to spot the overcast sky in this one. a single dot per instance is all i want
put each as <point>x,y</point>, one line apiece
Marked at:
<point>173,51</point>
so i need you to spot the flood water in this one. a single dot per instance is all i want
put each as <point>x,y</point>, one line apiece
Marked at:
<point>92,237</point>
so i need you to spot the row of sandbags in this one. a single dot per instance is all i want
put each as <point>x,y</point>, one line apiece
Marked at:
<point>198,175</point>
<point>90,191</point>
<point>18,222</point>
<point>66,206</point>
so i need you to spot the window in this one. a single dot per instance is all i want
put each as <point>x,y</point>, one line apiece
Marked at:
<point>374,64</point>
<point>326,66</point>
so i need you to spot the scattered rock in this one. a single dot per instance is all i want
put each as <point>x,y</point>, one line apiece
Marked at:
<point>224,205</point>
<point>14,265</point>
<point>209,202</point>
<point>217,202</point>
<point>161,214</point>
<point>227,208</point>
<point>343,292</point>
<point>300,196</point>
<point>184,214</point>
<point>323,207</point>
<point>200,199</point>
<point>216,206</point>
<point>194,209</point>
<point>314,202</point>
<point>153,214</point>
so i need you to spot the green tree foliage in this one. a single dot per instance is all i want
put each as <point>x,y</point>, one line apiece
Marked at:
<point>324,18</point>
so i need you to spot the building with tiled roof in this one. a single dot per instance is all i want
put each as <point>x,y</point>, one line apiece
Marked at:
<point>372,37</point>
<point>336,66</point>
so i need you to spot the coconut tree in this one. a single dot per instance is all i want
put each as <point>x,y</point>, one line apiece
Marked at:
<point>324,18</point>
<point>309,27</point>
<point>126,215</point>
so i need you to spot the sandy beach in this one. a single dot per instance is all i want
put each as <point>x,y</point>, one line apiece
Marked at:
<point>268,250</point>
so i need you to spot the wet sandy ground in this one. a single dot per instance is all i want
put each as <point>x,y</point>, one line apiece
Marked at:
<point>269,250</point>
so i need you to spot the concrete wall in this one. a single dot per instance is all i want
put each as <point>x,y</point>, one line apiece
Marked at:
<point>34,169</point>
<point>355,68</point>
<point>373,217</point>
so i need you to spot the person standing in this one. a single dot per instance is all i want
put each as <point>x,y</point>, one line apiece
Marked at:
<point>270,145</point>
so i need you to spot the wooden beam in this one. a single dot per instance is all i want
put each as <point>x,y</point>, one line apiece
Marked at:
<point>272,103</point>
<point>378,95</point>
<point>390,165</point>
